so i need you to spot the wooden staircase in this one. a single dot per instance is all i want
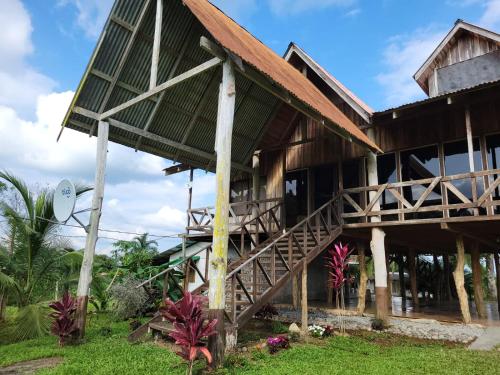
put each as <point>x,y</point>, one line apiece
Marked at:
<point>257,275</point>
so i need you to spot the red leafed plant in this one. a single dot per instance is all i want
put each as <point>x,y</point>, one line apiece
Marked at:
<point>189,327</point>
<point>64,318</point>
<point>336,262</point>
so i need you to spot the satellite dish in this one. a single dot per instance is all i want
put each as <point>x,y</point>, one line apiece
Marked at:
<point>64,201</point>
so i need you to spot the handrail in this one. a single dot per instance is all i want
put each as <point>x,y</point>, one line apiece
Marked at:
<point>285,233</point>
<point>175,266</point>
<point>201,209</point>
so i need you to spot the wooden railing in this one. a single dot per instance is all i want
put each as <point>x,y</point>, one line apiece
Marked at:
<point>434,199</point>
<point>240,214</point>
<point>253,282</point>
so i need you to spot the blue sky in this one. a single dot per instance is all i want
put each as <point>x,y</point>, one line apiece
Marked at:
<point>372,46</point>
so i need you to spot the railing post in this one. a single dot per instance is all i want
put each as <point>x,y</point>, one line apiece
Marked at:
<point>233,297</point>
<point>254,291</point>
<point>273,264</point>
<point>318,228</point>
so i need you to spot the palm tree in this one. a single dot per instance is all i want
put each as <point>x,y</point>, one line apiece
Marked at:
<point>137,253</point>
<point>36,253</point>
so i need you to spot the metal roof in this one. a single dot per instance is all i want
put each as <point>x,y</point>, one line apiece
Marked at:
<point>119,70</point>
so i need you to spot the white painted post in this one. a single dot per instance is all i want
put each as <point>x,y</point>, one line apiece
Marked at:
<point>82,294</point>
<point>218,263</point>
<point>156,45</point>
<point>377,241</point>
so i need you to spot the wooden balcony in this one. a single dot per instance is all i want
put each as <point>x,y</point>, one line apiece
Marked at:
<point>465,197</point>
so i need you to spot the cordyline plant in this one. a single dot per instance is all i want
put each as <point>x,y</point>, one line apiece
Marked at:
<point>189,327</point>
<point>63,325</point>
<point>336,262</point>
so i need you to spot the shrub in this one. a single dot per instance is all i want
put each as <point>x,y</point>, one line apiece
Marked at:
<point>316,331</point>
<point>276,343</point>
<point>63,325</point>
<point>267,311</point>
<point>129,300</point>
<point>278,327</point>
<point>378,324</point>
<point>189,328</point>
<point>328,331</point>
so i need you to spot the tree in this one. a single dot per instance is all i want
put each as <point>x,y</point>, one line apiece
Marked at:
<point>34,256</point>
<point>136,254</point>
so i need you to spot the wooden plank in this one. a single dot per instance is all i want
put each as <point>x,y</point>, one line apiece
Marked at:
<point>352,202</point>
<point>374,199</point>
<point>164,86</point>
<point>488,191</point>
<point>401,199</point>
<point>426,193</point>
<point>156,45</point>
<point>456,192</point>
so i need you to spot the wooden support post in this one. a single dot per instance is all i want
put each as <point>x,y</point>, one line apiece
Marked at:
<point>156,45</point>
<point>490,267</point>
<point>295,291</point>
<point>458,275</point>
<point>303,304</point>
<point>402,284</point>
<point>389,282</point>
<point>470,150</point>
<point>497,270</point>
<point>218,263</point>
<point>377,241</point>
<point>256,191</point>
<point>447,274</point>
<point>82,295</point>
<point>413,277</point>
<point>477,282</point>
<point>363,278</point>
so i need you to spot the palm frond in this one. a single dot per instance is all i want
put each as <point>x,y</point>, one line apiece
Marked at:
<point>31,322</point>
<point>23,191</point>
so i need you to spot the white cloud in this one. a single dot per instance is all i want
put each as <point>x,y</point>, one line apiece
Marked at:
<point>402,58</point>
<point>91,14</point>
<point>20,83</point>
<point>491,16</point>
<point>287,7</point>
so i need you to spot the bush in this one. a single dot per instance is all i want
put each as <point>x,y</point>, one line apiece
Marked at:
<point>63,325</point>
<point>277,343</point>
<point>278,327</point>
<point>129,300</point>
<point>316,331</point>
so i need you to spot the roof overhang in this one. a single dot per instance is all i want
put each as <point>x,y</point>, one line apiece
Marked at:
<point>176,119</point>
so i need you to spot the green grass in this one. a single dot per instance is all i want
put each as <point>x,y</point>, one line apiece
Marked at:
<point>369,354</point>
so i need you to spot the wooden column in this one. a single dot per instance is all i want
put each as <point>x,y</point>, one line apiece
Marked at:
<point>412,268</point>
<point>363,278</point>
<point>82,294</point>
<point>190,196</point>
<point>470,149</point>
<point>389,282</point>
<point>497,270</point>
<point>458,275</point>
<point>377,241</point>
<point>402,284</point>
<point>303,303</point>
<point>447,272</point>
<point>477,282</point>
<point>218,263</point>
<point>256,191</point>
<point>490,266</point>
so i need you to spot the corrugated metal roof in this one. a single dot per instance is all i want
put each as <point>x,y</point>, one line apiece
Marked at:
<point>170,119</point>
<point>240,42</point>
<point>441,97</point>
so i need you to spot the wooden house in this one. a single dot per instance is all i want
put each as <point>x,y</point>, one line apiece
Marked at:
<point>300,161</point>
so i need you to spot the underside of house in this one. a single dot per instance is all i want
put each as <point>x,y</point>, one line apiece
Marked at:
<point>414,188</point>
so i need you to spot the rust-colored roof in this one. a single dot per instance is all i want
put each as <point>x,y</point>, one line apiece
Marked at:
<point>243,44</point>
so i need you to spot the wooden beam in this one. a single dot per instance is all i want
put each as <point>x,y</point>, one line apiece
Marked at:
<point>477,282</point>
<point>458,276</point>
<point>363,278</point>
<point>85,279</point>
<point>164,86</point>
<point>157,138</point>
<point>218,264</point>
<point>156,45</point>
<point>303,303</point>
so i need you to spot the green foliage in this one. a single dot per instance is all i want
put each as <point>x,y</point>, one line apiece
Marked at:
<point>30,322</point>
<point>129,300</point>
<point>339,355</point>
<point>135,255</point>
<point>278,327</point>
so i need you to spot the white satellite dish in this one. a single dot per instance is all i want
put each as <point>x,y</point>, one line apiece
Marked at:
<point>64,201</point>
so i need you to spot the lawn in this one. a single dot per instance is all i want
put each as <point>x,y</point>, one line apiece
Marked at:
<point>369,354</point>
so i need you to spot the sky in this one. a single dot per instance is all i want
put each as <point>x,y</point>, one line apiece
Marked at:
<point>372,46</point>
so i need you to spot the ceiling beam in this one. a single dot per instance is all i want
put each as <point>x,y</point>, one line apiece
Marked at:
<point>157,138</point>
<point>210,64</point>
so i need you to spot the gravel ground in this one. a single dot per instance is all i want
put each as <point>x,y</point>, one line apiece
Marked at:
<point>420,328</point>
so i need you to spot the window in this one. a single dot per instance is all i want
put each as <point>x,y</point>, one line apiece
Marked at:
<point>386,170</point>
<point>240,192</point>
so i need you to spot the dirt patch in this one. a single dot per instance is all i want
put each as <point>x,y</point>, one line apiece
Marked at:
<point>30,367</point>
<point>390,339</point>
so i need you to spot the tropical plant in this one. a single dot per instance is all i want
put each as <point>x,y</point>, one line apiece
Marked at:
<point>35,253</point>
<point>189,327</point>
<point>137,254</point>
<point>336,262</point>
<point>316,331</point>
<point>63,325</point>
<point>274,344</point>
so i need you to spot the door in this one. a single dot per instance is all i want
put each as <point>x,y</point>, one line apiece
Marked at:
<point>295,197</point>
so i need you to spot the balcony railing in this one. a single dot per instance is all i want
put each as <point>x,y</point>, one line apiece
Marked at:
<point>462,197</point>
